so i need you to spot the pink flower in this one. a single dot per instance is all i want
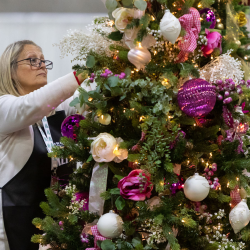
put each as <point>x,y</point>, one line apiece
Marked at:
<point>136,186</point>
<point>214,40</point>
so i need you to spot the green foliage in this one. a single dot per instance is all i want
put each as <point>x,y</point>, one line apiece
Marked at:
<point>90,62</point>
<point>115,35</point>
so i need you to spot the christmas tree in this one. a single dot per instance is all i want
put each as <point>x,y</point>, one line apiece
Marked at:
<point>164,141</point>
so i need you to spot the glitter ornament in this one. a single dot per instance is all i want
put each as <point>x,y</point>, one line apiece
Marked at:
<point>110,225</point>
<point>196,97</point>
<point>170,27</point>
<point>220,26</point>
<point>68,124</point>
<point>139,56</point>
<point>196,188</point>
<point>239,216</point>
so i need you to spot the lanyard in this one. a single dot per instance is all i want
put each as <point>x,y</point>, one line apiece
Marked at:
<point>47,138</point>
<point>48,141</point>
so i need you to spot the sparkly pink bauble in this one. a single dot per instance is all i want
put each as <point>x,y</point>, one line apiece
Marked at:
<point>196,97</point>
<point>68,124</point>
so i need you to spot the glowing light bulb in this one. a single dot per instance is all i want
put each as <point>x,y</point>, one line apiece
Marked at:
<point>116,151</point>
<point>139,45</point>
<point>90,99</point>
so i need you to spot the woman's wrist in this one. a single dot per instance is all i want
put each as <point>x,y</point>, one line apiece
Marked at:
<point>81,77</point>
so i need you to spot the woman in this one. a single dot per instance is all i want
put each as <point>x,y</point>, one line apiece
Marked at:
<point>25,168</point>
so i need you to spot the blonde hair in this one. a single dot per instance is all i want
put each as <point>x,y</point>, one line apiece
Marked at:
<point>9,83</point>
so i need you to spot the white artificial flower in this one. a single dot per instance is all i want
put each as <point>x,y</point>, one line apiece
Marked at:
<point>121,154</point>
<point>123,16</point>
<point>102,148</point>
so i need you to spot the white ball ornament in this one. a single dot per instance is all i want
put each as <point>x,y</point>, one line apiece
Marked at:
<point>110,225</point>
<point>196,188</point>
<point>239,216</point>
<point>170,27</point>
<point>139,56</point>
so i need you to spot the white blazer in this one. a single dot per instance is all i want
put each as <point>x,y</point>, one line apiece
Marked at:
<point>17,115</point>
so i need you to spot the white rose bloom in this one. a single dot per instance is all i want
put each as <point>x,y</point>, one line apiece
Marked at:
<point>121,154</point>
<point>123,16</point>
<point>102,148</point>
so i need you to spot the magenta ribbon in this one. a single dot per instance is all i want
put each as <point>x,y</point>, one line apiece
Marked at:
<point>243,107</point>
<point>97,237</point>
<point>192,25</point>
<point>236,133</point>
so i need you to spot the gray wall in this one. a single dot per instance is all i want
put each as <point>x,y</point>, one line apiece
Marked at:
<point>80,6</point>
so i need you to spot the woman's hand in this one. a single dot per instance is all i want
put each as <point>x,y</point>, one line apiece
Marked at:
<point>82,76</point>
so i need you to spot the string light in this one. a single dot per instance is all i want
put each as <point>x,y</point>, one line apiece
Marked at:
<point>228,184</point>
<point>155,52</point>
<point>183,220</point>
<point>246,57</point>
<point>110,23</point>
<point>152,18</point>
<point>132,72</point>
<point>174,4</point>
<point>116,151</point>
<point>136,70</point>
<point>90,99</point>
<point>194,124</point>
<point>211,154</point>
<point>237,179</point>
<point>199,5</point>
<point>142,118</point>
<point>139,45</point>
<point>218,20</point>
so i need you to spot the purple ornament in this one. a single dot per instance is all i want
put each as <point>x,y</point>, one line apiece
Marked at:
<point>68,124</point>
<point>210,17</point>
<point>175,187</point>
<point>196,97</point>
<point>83,196</point>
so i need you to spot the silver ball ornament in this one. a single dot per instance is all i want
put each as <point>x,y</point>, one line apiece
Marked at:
<point>196,188</point>
<point>110,225</point>
<point>239,216</point>
<point>139,56</point>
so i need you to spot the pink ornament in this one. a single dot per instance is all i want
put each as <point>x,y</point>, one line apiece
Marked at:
<point>196,97</point>
<point>220,97</point>
<point>134,187</point>
<point>214,40</point>
<point>210,173</point>
<point>214,167</point>
<point>206,169</point>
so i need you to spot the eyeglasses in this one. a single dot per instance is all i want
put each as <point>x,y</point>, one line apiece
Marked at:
<point>36,62</point>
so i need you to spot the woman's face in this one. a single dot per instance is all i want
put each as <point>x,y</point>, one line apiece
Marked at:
<point>30,77</point>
